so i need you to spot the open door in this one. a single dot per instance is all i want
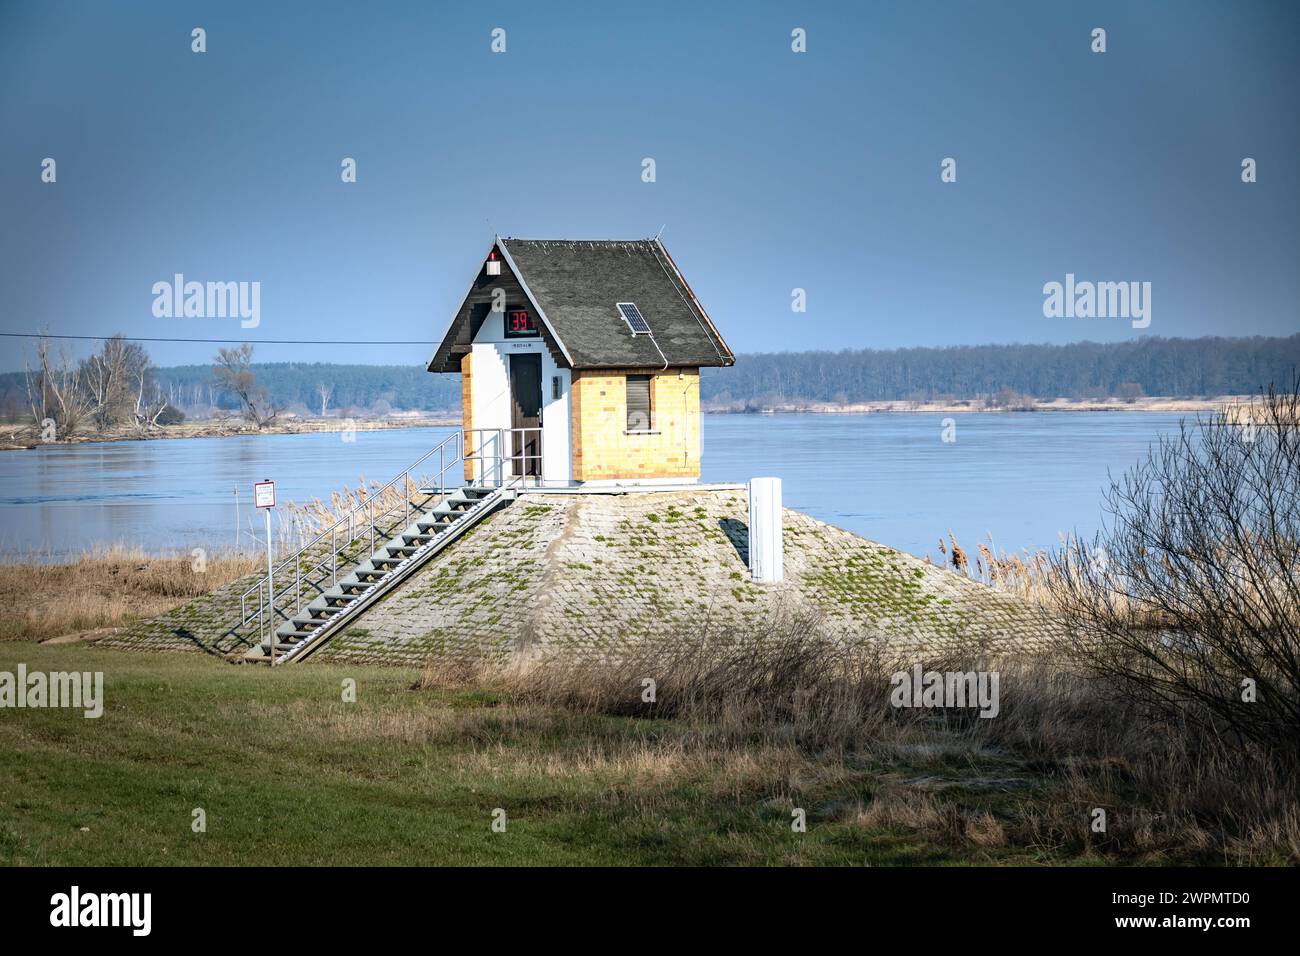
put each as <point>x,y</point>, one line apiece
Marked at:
<point>526,412</point>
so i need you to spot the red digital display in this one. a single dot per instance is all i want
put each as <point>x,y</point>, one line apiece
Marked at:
<point>520,324</point>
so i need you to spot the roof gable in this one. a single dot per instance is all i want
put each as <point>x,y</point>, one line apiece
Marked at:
<point>468,320</point>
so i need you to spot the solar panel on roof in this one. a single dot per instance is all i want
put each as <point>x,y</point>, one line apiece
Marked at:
<point>632,316</point>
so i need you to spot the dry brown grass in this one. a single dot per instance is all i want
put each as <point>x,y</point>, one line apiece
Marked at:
<point>788,683</point>
<point>104,589</point>
<point>801,715</point>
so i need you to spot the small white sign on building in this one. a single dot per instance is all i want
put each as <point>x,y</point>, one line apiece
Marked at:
<point>264,494</point>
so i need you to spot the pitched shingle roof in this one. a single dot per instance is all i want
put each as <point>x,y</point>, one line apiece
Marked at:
<point>575,285</point>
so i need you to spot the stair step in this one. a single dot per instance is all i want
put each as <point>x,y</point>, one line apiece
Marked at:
<point>344,594</point>
<point>333,604</point>
<point>290,637</point>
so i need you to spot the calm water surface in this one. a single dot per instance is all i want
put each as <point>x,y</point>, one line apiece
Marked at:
<point>1023,477</point>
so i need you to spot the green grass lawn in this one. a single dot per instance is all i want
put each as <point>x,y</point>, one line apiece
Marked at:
<point>288,773</point>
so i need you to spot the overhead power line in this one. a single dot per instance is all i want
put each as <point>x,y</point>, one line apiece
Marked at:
<point>141,338</point>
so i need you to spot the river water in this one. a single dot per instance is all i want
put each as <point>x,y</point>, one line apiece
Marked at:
<point>1024,477</point>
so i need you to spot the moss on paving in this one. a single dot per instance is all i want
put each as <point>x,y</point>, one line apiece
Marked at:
<point>582,574</point>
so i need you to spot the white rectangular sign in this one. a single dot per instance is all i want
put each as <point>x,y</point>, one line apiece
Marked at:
<point>264,494</point>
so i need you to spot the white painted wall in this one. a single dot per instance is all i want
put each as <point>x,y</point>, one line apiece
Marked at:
<point>490,395</point>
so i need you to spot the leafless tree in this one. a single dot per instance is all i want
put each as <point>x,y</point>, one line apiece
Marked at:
<point>110,379</point>
<point>54,390</point>
<point>1190,600</point>
<point>149,400</point>
<point>233,373</point>
<point>325,391</point>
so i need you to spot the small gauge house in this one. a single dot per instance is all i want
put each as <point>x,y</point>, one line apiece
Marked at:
<point>580,364</point>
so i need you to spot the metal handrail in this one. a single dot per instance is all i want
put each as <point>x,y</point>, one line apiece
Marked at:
<point>454,440</point>
<point>488,501</point>
<point>451,452</point>
<point>500,459</point>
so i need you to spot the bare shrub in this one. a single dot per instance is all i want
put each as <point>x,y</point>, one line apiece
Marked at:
<point>1193,591</point>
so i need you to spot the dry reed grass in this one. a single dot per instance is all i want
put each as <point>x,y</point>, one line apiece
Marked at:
<point>114,586</point>
<point>1027,574</point>
<point>302,521</point>
<point>105,589</point>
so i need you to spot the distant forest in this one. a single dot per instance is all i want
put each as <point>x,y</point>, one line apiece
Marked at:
<point>1151,366</point>
<point>296,386</point>
<point>1166,367</point>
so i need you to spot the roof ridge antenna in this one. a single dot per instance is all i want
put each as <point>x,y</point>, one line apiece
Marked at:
<point>661,231</point>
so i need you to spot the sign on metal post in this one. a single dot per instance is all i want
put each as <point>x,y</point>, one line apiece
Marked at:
<point>264,494</point>
<point>264,498</point>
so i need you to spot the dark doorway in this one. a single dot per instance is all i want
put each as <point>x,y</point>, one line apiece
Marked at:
<point>526,412</point>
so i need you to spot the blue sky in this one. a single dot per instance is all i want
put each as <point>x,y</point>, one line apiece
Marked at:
<point>775,170</point>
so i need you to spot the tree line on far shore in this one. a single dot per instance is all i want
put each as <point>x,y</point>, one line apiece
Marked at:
<point>117,386</point>
<point>1008,374</point>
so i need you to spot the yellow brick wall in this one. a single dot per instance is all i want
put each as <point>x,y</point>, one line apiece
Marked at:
<point>602,449</point>
<point>466,409</point>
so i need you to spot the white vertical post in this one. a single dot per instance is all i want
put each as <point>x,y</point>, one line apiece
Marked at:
<point>766,558</point>
<point>264,498</point>
<point>270,584</point>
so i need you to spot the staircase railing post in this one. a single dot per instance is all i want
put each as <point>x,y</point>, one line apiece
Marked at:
<point>334,556</point>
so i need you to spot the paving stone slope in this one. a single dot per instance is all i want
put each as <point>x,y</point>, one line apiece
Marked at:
<point>211,623</point>
<point>206,624</point>
<point>584,575</point>
<point>587,574</point>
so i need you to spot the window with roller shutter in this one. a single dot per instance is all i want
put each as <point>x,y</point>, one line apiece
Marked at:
<point>638,404</point>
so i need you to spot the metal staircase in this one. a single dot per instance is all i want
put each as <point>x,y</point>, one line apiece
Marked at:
<point>400,527</point>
